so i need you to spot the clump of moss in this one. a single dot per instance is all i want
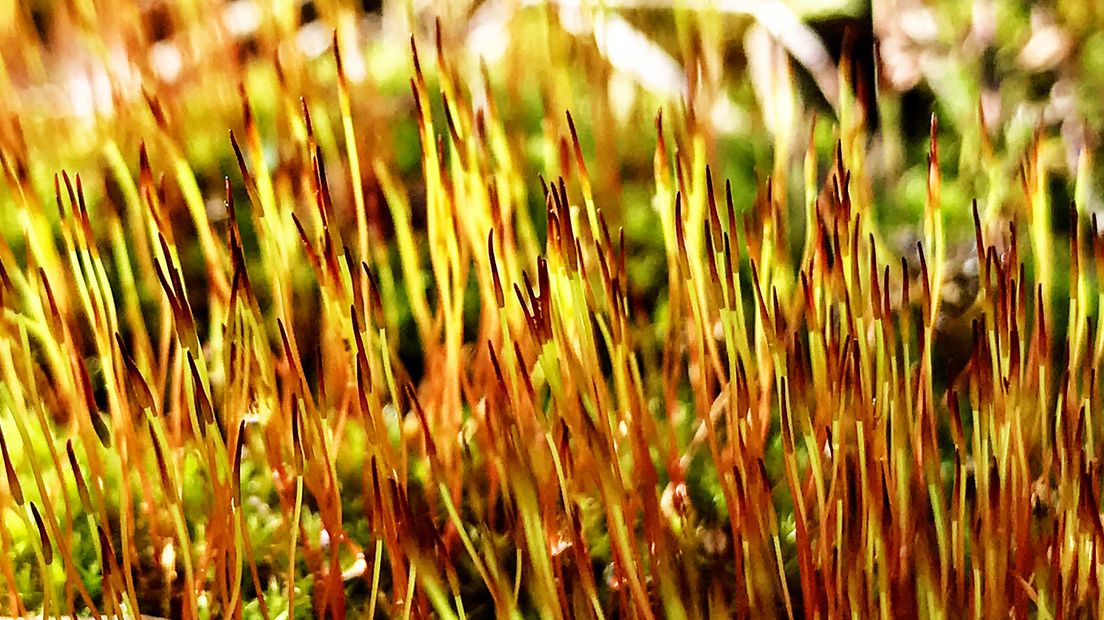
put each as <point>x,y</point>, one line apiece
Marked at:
<point>284,374</point>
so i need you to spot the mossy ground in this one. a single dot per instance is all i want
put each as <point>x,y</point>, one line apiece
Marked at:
<point>391,333</point>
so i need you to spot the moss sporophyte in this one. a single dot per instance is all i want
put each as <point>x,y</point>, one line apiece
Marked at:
<point>300,320</point>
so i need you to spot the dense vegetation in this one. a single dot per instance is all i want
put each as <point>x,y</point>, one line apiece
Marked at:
<point>473,309</point>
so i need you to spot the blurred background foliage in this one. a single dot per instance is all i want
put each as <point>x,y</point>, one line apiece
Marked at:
<point>995,72</point>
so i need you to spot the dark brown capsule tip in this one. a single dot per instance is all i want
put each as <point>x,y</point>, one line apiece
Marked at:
<point>239,444</point>
<point>102,431</point>
<point>82,487</point>
<point>296,441</point>
<point>47,548</point>
<point>414,55</point>
<point>14,486</point>
<point>337,58</point>
<point>500,297</point>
